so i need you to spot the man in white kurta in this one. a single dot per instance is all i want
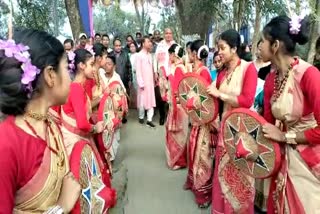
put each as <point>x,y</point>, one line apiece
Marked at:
<point>145,80</point>
<point>162,60</point>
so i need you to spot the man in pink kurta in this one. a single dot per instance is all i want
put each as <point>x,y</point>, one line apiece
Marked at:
<point>145,79</point>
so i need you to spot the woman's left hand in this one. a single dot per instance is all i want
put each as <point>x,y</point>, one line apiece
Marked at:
<point>273,133</point>
<point>212,90</point>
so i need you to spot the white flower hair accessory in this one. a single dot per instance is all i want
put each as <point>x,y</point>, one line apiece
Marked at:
<point>176,50</point>
<point>203,47</point>
<point>295,24</point>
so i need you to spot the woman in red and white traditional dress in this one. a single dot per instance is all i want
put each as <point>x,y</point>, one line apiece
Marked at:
<point>75,118</point>
<point>34,175</point>
<point>177,119</point>
<point>108,75</point>
<point>292,103</point>
<point>200,162</point>
<point>233,191</point>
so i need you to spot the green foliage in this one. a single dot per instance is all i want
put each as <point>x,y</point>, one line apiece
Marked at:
<point>114,21</point>
<point>32,14</point>
<point>37,14</point>
<point>170,20</point>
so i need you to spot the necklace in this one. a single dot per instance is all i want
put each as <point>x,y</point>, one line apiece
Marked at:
<point>58,152</point>
<point>279,85</point>
<point>37,116</point>
<point>230,73</point>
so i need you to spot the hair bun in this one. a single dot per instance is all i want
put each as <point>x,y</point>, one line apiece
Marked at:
<point>203,52</point>
<point>303,36</point>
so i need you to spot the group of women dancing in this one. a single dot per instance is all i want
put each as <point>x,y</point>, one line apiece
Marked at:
<point>290,104</point>
<point>52,154</point>
<point>52,157</point>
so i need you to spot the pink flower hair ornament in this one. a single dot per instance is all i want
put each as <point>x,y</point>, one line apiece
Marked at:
<point>71,66</point>
<point>20,53</point>
<point>295,24</point>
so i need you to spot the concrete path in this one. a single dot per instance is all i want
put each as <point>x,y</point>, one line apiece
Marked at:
<point>152,188</point>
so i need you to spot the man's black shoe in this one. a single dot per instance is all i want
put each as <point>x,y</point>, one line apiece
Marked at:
<point>124,120</point>
<point>150,124</point>
<point>141,121</point>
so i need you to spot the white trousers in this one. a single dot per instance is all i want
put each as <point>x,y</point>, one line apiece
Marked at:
<point>150,113</point>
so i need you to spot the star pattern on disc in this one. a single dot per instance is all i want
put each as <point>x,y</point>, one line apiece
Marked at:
<point>94,192</point>
<point>237,143</point>
<point>203,98</point>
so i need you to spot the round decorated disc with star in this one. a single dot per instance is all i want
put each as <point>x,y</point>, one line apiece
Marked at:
<point>106,113</point>
<point>95,195</point>
<point>199,105</point>
<point>119,99</point>
<point>249,150</point>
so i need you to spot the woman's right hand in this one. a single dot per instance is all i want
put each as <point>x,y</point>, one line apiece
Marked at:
<point>99,127</point>
<point>69,194</point>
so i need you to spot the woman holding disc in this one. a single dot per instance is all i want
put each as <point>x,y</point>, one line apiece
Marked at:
<point>177,120</point>
<point>35,175</point>
<point>292,107</point>
<point>200,163</point>
<point>235,87</point>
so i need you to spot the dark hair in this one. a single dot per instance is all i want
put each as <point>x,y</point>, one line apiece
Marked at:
<point>112,57</point>
<point>97,34</point>
<point>81,55</point>
<point>233,39</point>
<point>99,49</point>
<point>138,33</point>
<point>69,41</point>
<point>188,45</point>
<point>45,50</point>
<point>215,54</point>
<point>279,29</point>
<point>116,39</point>
<point>144,38</point>
<point>196,45</point>
<point>135,44</point>
<point>173,48</point>
<point>318,43</point>
<point>105,35</point>
<point>129,36</point>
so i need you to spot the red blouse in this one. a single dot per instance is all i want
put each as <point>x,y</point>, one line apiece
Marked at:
<point>310,86</point>
<point>88,87</point>
<point>77,104</point>
<point>20,157</point>
<point>246,98</point>
<point>205,74</point>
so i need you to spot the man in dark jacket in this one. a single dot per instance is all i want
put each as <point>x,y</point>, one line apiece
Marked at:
<point>123,66</point>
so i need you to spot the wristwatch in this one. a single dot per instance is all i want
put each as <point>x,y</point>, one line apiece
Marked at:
<point>55,210</point>
<point>291,137</point>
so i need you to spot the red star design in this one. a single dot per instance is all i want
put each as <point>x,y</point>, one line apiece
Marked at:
<point>190,104</point>
<point>241,150</point>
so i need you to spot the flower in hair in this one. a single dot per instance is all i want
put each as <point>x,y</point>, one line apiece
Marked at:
<point>71,66</point>
<point>20,53</point>
<point>295,24</point>
<point>90,49</point>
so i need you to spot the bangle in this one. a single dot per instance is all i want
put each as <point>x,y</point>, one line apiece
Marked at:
<point>55,210</point>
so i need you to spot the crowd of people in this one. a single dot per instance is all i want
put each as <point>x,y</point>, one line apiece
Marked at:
<point>65,104</point>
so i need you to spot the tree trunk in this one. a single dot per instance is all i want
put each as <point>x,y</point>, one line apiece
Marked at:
<point>314,33</point>
<point>194,23</point>
<point>257,23</point>
<point>74,17</point>
<point>140,16</point>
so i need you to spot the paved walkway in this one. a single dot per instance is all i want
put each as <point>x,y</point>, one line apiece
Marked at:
<point>152,187</point>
